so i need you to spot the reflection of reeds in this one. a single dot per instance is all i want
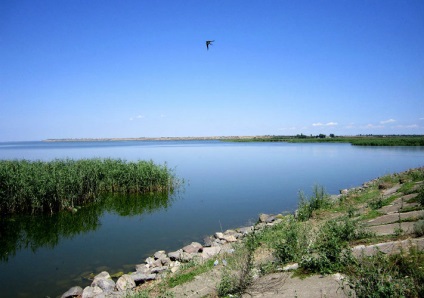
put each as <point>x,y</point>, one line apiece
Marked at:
<point>59,184</point>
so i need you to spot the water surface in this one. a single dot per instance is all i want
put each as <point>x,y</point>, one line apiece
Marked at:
<point>227,186</point>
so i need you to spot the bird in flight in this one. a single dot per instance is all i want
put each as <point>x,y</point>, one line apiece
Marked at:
<point>209,42</point>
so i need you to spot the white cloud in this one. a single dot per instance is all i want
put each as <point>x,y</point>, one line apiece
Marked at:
<point>387,121</point>
<point>408,126</point>
<point>325,124</point>
<point>422,118</point>
<point>140,117</point>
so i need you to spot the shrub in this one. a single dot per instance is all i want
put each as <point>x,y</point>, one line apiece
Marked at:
<point>400,275</point>
<point>419,228</point>
<point>318,200</point>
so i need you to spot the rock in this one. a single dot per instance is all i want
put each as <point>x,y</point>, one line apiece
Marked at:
<point>159,269</point>
<point>139,277</point>
<point>209,252</point>
<point>245,230</point>
<point>91,292</point>
<point>344,192</point>
<point>208,240</point>
<point>290,267</point>
<point>142,268</point>
<point>160,254</point>
<point>165,261</point>
<point>219,235</point>
<point>102,275</point>
<point>125,282</point>
<point>107,285</point>
<point>72,292</point>
<point>229,238</point>
<point>174,266</point>
<point>176,255</point>
<point>194,247</point>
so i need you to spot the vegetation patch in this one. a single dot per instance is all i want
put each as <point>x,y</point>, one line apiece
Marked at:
<point>38,186</point>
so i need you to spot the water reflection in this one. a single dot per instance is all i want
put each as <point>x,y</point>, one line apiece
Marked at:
<point>36,231</point>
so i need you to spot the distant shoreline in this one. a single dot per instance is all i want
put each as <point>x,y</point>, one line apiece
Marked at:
<point>156,139</point>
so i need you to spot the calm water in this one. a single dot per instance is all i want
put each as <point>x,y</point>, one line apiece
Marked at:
<point>227,186</point>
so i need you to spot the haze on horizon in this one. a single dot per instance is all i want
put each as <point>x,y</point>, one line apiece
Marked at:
<point>138,68</point>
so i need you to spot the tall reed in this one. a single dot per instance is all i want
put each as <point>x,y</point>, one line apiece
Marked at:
<point>32,186</point>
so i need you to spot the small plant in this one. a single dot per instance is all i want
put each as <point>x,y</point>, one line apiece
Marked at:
<point>376,203</point>
<point>317,201</point>
<point>419,228</point>
<point>400,275</point>
<point>238,274</point>
<point>420,196</point>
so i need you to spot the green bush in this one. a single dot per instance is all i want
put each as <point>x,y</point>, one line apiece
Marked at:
<point>400,275</point>
<point>318,200</point>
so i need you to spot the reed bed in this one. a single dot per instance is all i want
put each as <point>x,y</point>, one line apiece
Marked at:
<point>38,186</point>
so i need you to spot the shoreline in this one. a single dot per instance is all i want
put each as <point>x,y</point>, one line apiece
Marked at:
<point>162,263</point>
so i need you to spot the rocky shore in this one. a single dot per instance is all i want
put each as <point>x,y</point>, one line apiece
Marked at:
<point>162,263</point>
<point>394,219</point>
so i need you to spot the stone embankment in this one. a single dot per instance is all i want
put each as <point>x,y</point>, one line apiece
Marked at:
<point>162,263</point>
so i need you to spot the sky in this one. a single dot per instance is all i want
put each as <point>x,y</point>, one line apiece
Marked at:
<point>140,68</point>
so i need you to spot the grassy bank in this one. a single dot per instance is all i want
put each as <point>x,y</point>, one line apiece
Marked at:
<point>38,186</point>
<point>388,140</point>
<point>321,239</point>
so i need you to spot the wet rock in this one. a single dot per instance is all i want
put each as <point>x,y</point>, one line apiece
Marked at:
<point>125,282</point>
<point>92,292</point>
<point>72,292</point>
<point>194,247</point>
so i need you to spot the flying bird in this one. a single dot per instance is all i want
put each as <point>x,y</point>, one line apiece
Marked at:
<point>209,42</point>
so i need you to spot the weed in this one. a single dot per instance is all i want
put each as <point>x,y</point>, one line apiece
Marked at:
<point>419,228</point>
<point>238,275</point>
<point>398,275</point>
<point>317,201</point>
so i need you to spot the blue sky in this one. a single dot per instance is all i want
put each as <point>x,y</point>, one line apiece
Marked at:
<point>78,68</point>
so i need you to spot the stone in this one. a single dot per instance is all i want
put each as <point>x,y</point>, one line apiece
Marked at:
<point>139,277</point>
<point>125,282</point>
<point>209,252</point>
<point>176,255</point>
<point>142,268</point>
<point>207,241</point>
<point>291,267</point>
<point>245,230</point>
<point>165,261</point>
<point>229,238</point>
<point>72,292</point>
<point>102,275</point>
<point>107,285</point>
<point>159,269</point>
<point>194,247</point>
<point>219,235</point>
<point>92,292</point>
<point>344,192</point>
<point>160,254</point>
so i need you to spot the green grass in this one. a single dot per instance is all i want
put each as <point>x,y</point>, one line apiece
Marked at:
<point>189,272</point>
<point>389,140</point>
<point>38,186</point>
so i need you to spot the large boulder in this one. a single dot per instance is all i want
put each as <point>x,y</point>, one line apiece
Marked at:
<point>92,292</point>
<point>125,282</point>
<point>192,248</point>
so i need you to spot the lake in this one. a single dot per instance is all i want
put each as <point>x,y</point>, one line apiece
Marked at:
<point>226,186</point>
